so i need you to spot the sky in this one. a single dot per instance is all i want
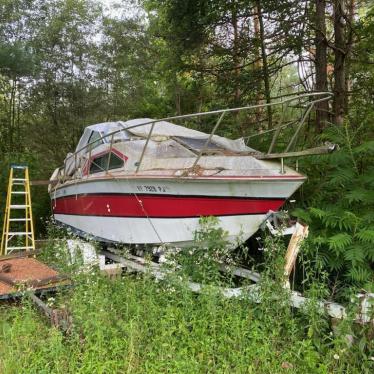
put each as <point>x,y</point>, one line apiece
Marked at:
<point>111,9</point>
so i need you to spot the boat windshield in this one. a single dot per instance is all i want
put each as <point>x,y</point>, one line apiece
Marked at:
<point>97,134</point>
<point>198,144</point>
<point>95,139</point>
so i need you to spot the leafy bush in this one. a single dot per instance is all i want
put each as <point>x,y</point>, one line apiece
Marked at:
<point>341,206</point>
<point>203,261</point>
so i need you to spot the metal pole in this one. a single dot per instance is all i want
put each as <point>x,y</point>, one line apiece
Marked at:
<point>64,176</point>
<point>75,163</point>
<point>145,147</point>
<point>89,162</point>
<point>110,152</point>
<point>327,95</point>
<point>209,139</point>
<point>299,128</point>
<point>277,131</point>
<point>311,105</point>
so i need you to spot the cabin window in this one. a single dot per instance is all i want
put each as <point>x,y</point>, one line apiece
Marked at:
<point>95,139</point>
<point>100,163</point>
<point>196,144</point>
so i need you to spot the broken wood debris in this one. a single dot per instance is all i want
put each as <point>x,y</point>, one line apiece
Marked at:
<point>300,233</point>
<point>252,292</point>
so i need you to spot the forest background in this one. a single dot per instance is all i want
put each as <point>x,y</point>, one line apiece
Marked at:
<point>66,64</point>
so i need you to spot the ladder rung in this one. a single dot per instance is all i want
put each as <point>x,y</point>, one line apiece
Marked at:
<point>19,219</point>
<point>14,166</point>
<point>29,247</point>
<point>19,233</point>
<point>18,183</point>
<point>19,206</point>
<point>19,192</point>
<point>19,180</point>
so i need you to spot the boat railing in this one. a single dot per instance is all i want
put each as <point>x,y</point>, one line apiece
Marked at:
<point>307,101</point>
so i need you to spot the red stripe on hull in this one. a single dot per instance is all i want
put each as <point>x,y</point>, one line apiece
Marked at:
<point>161,206</point>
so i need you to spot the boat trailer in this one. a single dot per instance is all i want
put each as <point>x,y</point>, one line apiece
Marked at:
<point>133,263</point>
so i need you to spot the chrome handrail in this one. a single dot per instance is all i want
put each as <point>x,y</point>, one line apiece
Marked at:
<point>309,106</point>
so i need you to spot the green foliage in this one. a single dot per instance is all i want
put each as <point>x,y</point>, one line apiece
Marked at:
<point>341,212</point>
<point>16,60</point>
<point>203,262</point>
<point>134,324</point>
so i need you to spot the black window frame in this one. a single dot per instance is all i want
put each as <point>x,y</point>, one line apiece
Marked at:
<point>97,168</point>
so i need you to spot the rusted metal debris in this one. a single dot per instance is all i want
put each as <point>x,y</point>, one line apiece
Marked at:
<point>324,149</point>
<point>59,318</point>
<point>21,274</point>
<point>25,273</point>
<point>5,268</point>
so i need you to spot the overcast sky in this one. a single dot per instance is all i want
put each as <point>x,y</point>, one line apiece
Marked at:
<point>110,8</point>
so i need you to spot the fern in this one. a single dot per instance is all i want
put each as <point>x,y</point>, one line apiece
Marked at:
<point>358,195</point>
<point>319,213</point>
<point>339,241</point>
<point>348,221</point>
<point>341,213</point>
<point>366,147</point>
<point>331,219</point>
<point>319,240</point>
<point>367,178</point>
<point>368,249</point>
<point>360,273</point>
<point>366,236</point>
<point>336,263</point>
<point>355,255</point>
<point>368,217</point>
<point>302,214</point>
<point>340,176</point>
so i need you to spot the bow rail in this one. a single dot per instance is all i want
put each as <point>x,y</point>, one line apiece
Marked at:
<point>307,101</point>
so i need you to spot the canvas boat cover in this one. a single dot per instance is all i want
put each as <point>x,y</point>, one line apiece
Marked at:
<point>162,131</point>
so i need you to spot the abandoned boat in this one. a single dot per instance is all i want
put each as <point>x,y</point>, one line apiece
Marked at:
<point>146,181</point>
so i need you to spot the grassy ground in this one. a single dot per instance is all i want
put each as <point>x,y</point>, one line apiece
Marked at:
<point>135,325</point>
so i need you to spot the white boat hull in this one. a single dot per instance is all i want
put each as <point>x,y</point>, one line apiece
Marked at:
<point>156,231</point>
<point>167,210</point>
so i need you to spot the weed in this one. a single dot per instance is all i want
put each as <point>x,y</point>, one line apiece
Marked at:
<point>136,325</point>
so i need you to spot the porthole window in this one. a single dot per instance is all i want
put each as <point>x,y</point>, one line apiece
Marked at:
<point>100,163</point>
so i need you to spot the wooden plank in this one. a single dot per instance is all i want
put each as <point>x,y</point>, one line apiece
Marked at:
<point>300,233</point>
<point>20,255</point>
<point>40,182</point>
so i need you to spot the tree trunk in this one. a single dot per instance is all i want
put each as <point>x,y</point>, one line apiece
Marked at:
<point>236,57</point>
<point>321,62</point>
<point>12,114</point>
<point>265,69</point>
<point>339,63</point>
<point>349,44</point>
<point>258,68</point>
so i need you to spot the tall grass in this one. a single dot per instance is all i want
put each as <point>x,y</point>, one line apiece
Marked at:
<point>136,325</point>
